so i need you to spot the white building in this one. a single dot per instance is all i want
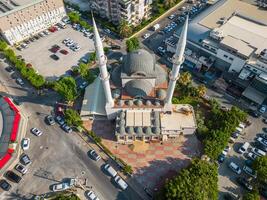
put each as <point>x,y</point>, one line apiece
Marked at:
<point>20,19</point>
<point>132,11</point>
<point>138,94</point>
<point>235,33</point>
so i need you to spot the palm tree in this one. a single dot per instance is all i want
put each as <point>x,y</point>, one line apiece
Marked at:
<point>124,29</point>
<point>201,90</point>
<point>169,3</point>
<point>185,79</point>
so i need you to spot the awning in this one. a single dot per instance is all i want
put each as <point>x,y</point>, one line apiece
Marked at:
<point>254,95</point>
<point>94,101</point>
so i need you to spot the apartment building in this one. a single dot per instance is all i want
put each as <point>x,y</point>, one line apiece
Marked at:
<point>21,19</point>
<point>133,11</point>
<point>236,40</point>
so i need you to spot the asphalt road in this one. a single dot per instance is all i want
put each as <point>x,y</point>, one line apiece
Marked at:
<point>55,155</point>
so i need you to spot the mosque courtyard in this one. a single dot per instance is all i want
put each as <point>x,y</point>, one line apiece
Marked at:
<point>152,163</point>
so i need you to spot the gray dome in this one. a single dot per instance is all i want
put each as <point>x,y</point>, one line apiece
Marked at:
<point>157,103</point>
<point>138,87</point>
<point>139,61</point>
<point>156,130</point>
<point>138,102</point>
<point>138,130</point>
<point>122,130</point>
<point>148,103</point>
<point>161,94</point>
<point>147,130</point>
<point>116,93</point>
<point>120,102</point>
<point>130,130</point>
<point>129,102</point>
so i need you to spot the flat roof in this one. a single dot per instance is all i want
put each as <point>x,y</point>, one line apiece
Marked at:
<point>181,117</point>
<point>138,118</point>
<point>228,8</point>
<point>241,46</point>
<point>8,7</point>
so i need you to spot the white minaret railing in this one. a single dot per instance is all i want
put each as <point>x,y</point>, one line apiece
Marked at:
<point>178,59</point>
<point>102,61</point>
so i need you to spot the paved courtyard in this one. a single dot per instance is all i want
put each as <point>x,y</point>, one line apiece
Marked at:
<point>38,53</point>
<point>152,163</point>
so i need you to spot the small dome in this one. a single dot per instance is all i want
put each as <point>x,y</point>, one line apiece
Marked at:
<point>116,93</point>
<point>129,102</point>
<point>157,103</point>
<point>148,103</point>
<point>122,114</point>
<point>156,130</point>
<point>120,102</point>
<point>147,130</point>
<point>138,102</point>
<point>138,130</point>
<point>130,130</point>
<point>139,61</point>
<point>138,87</point>
<point>122,130</point>
<point>161,94</point>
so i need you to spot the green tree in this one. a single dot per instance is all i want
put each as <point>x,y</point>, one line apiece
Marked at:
<point>185,79</point>
<point>125,30</point>
<point>3,45</point>
<point>254,195</point>
<point>201,90</point>
<point>127,169</point>
<point>197,182</point>
<point>72,117</point>
<point>67,88</point>
<point>132,44</point>
<point>169,3</point>
<point>92,57</point>
<point>37,80</point>
<point>260,166</point>
<point>74,17</point>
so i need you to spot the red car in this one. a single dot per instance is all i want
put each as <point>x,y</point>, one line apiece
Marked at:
<point>55,48</point>
<point>63,51</point>
<point>52,29</point>
<point>29,65</point>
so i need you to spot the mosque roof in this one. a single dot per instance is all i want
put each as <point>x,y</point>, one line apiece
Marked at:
<point>138,87</point>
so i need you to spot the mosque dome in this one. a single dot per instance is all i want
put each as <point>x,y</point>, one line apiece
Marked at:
<point>161,94</point>
<point>138,87</point>
<point>139,62</point>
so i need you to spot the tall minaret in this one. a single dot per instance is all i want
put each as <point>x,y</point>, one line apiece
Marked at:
<point>102,61</point>
<point>178,59</point>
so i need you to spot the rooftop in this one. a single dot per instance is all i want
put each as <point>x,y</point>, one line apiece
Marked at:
<point>9,6</point>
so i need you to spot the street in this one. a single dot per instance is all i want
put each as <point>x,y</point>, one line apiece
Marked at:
<point>55,155</point>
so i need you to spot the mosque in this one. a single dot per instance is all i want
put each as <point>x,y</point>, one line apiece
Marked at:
<point>137,96</point>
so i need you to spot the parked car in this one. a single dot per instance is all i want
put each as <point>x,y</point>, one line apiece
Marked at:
<point>12,177</point>
<point>226,150</point>
<point>235,167</point>
<point>258,152</point>
<point>261,146</point>
<point>64,185</point>
<point>50,120</point>
<point>235,134</point>
<point>36,131</point>
<point>63,51</point>
<point>263,109</point>
<point>60,120</point>
<point>21,169</point>
<point>94,155</point>
<point>221,158</point>
<point>107,31</point>
<point>171,17</point>
<point>66,128</point>
<point>115,47</point>
<point>249,171</point>
<point>243,182</point>
<point>252,156</point>
<point>25,159</point>
<point>83,85</point>
<point>25,143</point>
<point>91,195</point>
<point>20,81</point>
<point>10,69</point>
<point>263,135</point>
<point>262,141</point>
<point>54,57</point>
<point>243,148</point>
<point>5,185</point>
<point>146,36</point>
<point>123,185</point>
<point>111,171</point>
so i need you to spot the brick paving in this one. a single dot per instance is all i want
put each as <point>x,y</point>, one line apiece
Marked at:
<point>158,162</point>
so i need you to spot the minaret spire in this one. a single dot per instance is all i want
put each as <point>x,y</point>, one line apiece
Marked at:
<point>102,61</point>
<point>178,59</point>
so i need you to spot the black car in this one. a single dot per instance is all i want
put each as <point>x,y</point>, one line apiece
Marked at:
<point>235,134</point>
<point>115,47</point>
<point>265,130</point>
<point>263,135</point>
<point>54,57</point>
<point>261,146</point>
<point>9,69</point>
<point>25,159</point>
<point>5,185</point>
<point>243,182</point>
<point>50,120</point>
<point>221,158</point>
<point>13,177</point>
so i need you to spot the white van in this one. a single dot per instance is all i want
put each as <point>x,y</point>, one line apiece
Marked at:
<point>235,168</point>
<point>112,172</point>
<point>243,148</point>
<point>121,182</point>
<point>242,126</point>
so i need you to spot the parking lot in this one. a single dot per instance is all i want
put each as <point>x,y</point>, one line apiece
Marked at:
<point>38,53</point>
<point>228,178</point>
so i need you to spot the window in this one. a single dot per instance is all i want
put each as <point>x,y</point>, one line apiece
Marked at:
<point>225,56</point>
<point>147,138</point>
<point>230,58</point>
<point>121,137</point>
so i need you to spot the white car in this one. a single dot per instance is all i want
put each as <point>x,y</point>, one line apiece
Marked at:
<point>36,131</point>
<point>60,187</point>
<point>249,171</point>
<point>25,143</point>
<point>233,166</point>
<point>19,81</point>
<point>21,169</point>
<point>252,156</point>
<point>226,150</point>
<point>91,195</point>
<point>258,152</point>
<point>262,141</point>
<point>123,185</point>
<point>146,36</point>
<point>65,41</point>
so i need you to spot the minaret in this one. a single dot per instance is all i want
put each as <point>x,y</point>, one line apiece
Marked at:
<point>178,59</point>
<point>102,61</point>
